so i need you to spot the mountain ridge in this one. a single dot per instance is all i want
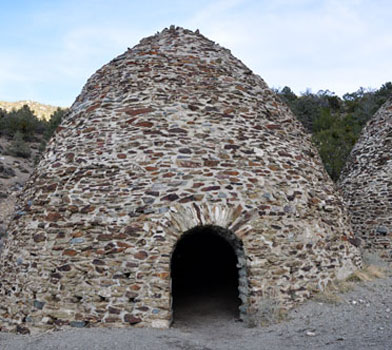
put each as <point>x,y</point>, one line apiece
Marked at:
<point>41,110</point>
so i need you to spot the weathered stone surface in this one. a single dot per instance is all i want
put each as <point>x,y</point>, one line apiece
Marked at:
<point>366,183</point>
<point>174,134</point>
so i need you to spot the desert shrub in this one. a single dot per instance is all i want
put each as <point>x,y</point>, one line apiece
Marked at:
<point>18,147</point>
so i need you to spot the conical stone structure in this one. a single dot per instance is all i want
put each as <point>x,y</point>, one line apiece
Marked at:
<point>175,135</point>
<point>366,183</point>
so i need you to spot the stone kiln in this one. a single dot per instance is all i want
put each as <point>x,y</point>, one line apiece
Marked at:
<point>366,183</point>
<point>174,136</point>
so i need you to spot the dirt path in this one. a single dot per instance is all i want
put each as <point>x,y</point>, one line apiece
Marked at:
<point>363,320</point>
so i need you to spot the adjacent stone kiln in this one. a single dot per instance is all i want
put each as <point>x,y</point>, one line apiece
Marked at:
<point>173,138</point>
<point>366,183</point>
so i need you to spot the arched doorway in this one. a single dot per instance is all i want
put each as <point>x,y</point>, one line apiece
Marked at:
<point>205,275</point>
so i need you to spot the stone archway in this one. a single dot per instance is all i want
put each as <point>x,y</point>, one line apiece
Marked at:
<point>208,275</point>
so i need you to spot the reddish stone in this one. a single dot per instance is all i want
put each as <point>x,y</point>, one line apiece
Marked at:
<point>151,168</point>
<point>187,199</point>
<point>73,208</point>
<point>168,174</point>
<point>273,126</point>
<point>70,252</point>
<point>198,184</point>
<point>210,188</point>
<point>231,172</point>
<point>170,197</point>
<point>132,112</point>
<point>51,187</point>
<point>124,245</point>
<point>273,167</point>
<point>141,255</point>
<point>163,275</point>
<point>121,156</point>
<point>53,217</point>
<point>135,287</point>
<point>314,201</point>
<point>87,130</point>
<point>130,121</point>
<point>145,124</point>
<point>93,107</point>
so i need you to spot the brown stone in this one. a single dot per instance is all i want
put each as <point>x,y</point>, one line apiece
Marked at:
<point>170,197</point>
<point>211,163</point>
<point>70,252</point>
<point>210,188</point>
<point>73,208</point>
<point>131,319</point>
<point>53,217</point>
<point>273,126</point>
<point>39,238</point>
<point>132,112</point>
<point>113,310</point>
<point>145,124</point>
<point>141,255</point>
<point>87,209</point>
<point>104,237</point>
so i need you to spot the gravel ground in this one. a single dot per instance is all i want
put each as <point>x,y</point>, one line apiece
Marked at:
<point>363,320</point>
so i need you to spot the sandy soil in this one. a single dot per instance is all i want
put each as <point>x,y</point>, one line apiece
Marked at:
<point>362,320</point>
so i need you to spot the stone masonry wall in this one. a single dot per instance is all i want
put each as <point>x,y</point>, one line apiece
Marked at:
<point>173,134</point>
<point>366,183</point>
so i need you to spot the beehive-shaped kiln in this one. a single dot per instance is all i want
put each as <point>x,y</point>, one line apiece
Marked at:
<point>173,138</point>
<point>366,183</point>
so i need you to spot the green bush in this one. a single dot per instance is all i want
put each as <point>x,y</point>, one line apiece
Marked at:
<point>335,123</point>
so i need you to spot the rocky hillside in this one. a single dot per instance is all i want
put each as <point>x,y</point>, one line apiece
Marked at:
<point>41,110</point>
<point>14,171</point>
<point>22,138</point>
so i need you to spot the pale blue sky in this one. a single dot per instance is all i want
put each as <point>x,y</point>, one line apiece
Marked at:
<point>49,48</point>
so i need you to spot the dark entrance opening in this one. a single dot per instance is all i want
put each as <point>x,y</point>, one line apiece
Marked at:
<point>204,277</point>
